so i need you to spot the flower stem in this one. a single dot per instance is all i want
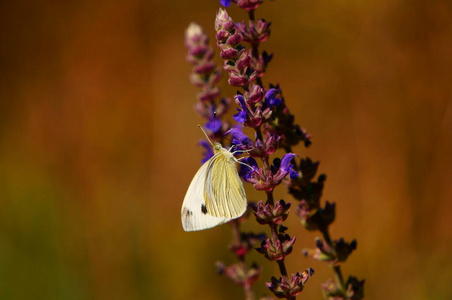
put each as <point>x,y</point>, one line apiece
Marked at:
<point>274,232</point>
<point>259,133</point>
<point>249,295</point>
<point>337,269</point>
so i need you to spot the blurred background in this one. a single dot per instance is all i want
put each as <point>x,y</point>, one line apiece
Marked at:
<point>98,145</point>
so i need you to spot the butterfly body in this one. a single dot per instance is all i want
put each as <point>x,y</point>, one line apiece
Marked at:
<point>216,194</point>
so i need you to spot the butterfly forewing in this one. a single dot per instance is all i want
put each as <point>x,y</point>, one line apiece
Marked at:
<point>194,211</point>
<point>223,190</point>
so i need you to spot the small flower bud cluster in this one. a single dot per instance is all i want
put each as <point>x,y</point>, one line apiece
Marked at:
<point>206,75</point>
<point>266,180</point>
<point>246,243</point>
<point>309,192</point>
<point>257,107</point>
<point>245,4</point>
<point>354,290</point>
<point>242,243</point>
<point>239,275</point>
<point>237,60</point>
<point>315,217</point>
<point>285,287</point>
<point>283,124</point>
<point>254,32</point>
<point>276,248</point>
<point>258,148</point>
<point>280,244</point>
<point>333,254</point>
<point>271,214</point>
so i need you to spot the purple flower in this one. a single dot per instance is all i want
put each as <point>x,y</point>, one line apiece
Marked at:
<point>245,171</point>
<point>214,125</point>
<point>240,140</point>
<point>208,152</point>
<point>241,115</point>
<point>270,98</point>
<point>283,167</point>
<point>225,3</point>
<point>267,181</point>
<point>287,167</point>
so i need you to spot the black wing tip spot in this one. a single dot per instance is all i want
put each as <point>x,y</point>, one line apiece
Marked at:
<point>187,212</point>
<point>203,209</point>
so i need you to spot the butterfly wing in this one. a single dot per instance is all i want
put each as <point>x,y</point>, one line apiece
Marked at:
<point>224,193</point>
<point>194,214</point>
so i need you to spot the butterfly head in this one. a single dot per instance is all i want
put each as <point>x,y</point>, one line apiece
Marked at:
<point>217,146</point>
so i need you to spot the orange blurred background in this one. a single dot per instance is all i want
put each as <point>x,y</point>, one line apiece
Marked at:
<point>98,145</point>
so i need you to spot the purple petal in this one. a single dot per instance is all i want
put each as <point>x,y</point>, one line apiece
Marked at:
<point>271,93</point>
<point>270,98</point>
<point>286,161</point>
<point>225,3</point>
<point>251,162</point>
<point>274,102</point>
<point>240,117</point>
<point>241,101</point>
<point>239,138</point>
<point>214,125</point>
<point>293,174</point>
<point>245,171</point>
<point>208,153</point>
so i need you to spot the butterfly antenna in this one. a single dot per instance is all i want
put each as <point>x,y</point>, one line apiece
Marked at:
<point>205,134</point>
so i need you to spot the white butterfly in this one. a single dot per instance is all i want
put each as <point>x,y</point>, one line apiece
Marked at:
<point>216,194</point>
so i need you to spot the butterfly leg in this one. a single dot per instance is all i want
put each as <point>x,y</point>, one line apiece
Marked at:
<point>242,151</point>
<point>242,163</point>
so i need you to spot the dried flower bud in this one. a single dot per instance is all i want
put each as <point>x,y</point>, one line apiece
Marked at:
<point>254,95</point>
<point>238,275</point>
<point>311,192</point>
<point>271,214</point>
<point>229,53</point>
<point>344,249</point>
<point>223,21</point>
<point>277,248</point>
<point>289,288</point>
<point>255,32</point>
<point>266,147</point>
<point>334,255</point>
<point>313,218</point>
<point>354,291</point>
<point>247,242</point>
<point>249,4</point>
<point>243,60</point>
<point>234,39</point>
<point>209,94</point>
<point>237,79</point>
